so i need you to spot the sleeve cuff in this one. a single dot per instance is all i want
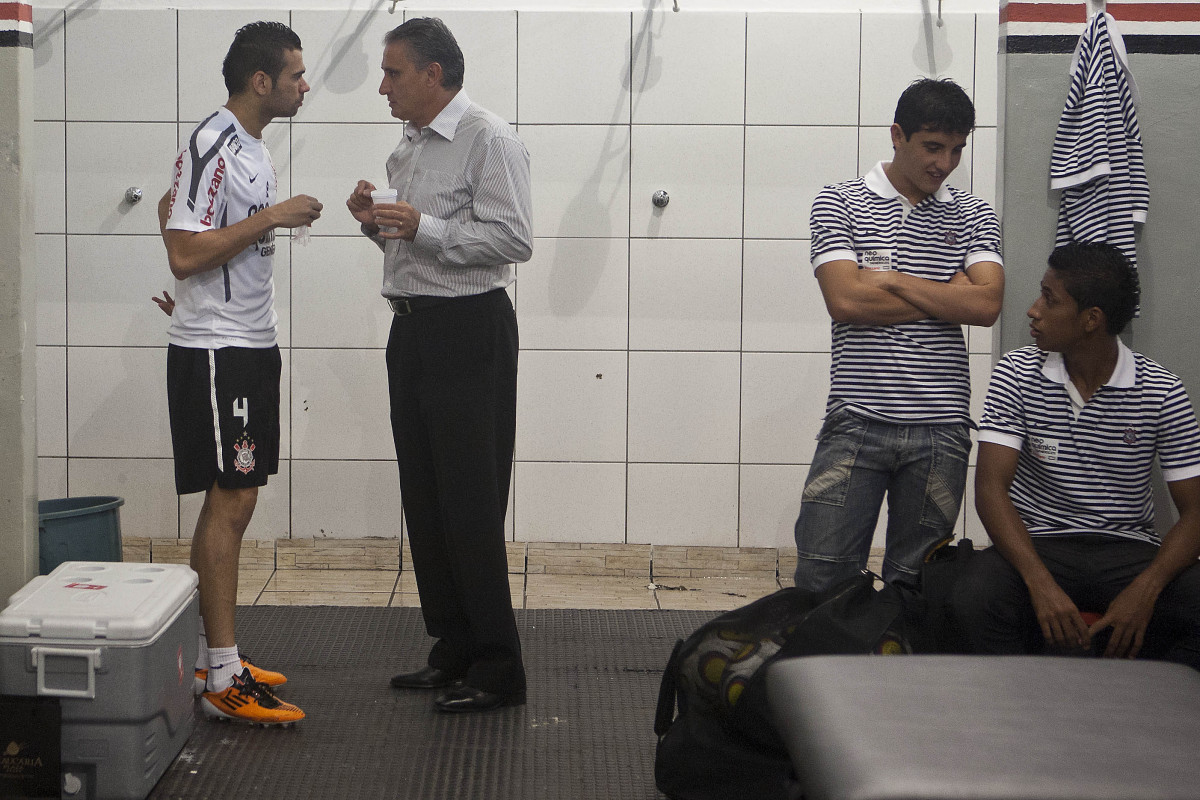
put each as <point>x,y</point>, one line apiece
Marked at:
<point>430,232</point>
<point>1005,439</point>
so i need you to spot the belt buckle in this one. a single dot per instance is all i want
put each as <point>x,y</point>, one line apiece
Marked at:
<point>400,306</point>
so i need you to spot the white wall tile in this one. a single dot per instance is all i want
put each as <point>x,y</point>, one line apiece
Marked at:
<point>571,406</point>
<point>146,484</point>
<point>875,145</point>
<point>285,405</point>
<point>972,527</point>
<point>700,167</point>
<point>689,68</point>
<point>117,402</point>
<point>574,502</point>
<point>488,40</point>
<point>51,288</point>
<point>52,478</point>
<point>92,69</point>
<point>683,407</point>
<point>898,48</point>
<point>785,168</point>
<point>782,305</point>
<point>573,67</point>
<point>580,176</point>
<point>51,401</point>
<point>105,159</point>
<point>802,69</point>
<point>983,165</point>
<point>282,278</point>
<point>110,281</point>
<point>326,167</point>
<point>574,293</point>
<point>683,504</point>
<point>342,54</point>
<point>49,63</point>
<point>769,504</point>
<point>340,405</point>
<point>981,374</point>
<point>783,402</point>
<point>204,39</point>
<point>50,183</point>
<point>335,294</point>
<point>979,339</point>
<point>346,499</point>
<point>987,79</point>
<point>271,512</point>
<point>685,294</point>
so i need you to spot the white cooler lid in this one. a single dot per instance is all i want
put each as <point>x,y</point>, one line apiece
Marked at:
<point>99,600</point>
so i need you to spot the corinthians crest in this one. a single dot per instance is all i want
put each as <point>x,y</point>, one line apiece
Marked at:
<point>243,455</point>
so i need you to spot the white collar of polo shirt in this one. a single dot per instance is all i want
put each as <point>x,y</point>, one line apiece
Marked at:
<point>445,124</point>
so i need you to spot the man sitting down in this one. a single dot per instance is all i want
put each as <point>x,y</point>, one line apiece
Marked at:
<point>1070,430</point>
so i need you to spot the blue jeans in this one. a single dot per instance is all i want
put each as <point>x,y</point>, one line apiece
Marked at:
<point>922,469</point>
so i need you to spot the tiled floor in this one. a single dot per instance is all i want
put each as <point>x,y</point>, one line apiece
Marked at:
<point>328,587</point>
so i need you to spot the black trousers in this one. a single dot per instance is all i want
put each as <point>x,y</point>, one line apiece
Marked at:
<point>452,376</point>
<point>993,606</point>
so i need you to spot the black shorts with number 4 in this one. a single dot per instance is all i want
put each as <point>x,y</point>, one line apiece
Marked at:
<point>224,407</point>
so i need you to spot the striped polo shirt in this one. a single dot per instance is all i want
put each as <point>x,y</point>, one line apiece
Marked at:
<point>914,372</point>
<point>467,173</point>
<point>1097,160</point>
<point>1085,467</point>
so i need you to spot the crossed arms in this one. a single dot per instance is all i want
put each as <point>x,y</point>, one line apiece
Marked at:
<point>865,297</point>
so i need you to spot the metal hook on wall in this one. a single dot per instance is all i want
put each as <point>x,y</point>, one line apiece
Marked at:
<point>939,19</point>
<point>676,8</point>
<point>392,10</point>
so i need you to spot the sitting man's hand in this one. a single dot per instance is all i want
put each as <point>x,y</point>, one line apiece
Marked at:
<point>1062,625</point>
<point>1128,615</point>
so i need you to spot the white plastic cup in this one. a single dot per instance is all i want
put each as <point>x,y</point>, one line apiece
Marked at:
<point>384,196</point>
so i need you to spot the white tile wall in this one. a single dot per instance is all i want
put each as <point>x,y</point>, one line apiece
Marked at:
<point>594,89</point>
<point>689,69</point>
<point>802,69</point>
<point>51,289</point>
<point>560,393</point>
<point>342,53</point>
<point>580,177</point>
<point>121,66</point>
<point>345,499</point>
<point>683,504</point>
<point>670,309</point>
<point>110,280</point>
<point>683,407</point>
<point>569,502</point>
<point>700,168</point>
<point>49,64</point>
<point>575,294</point>
<point>674,363</point>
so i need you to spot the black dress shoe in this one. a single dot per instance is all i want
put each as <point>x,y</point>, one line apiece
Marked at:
<point>424,678</point>
<point>467,698</point>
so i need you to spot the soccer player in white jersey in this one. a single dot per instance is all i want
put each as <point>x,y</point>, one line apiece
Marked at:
<point>218,222</point>
<point>903,262</point>
<point>1071,428</point>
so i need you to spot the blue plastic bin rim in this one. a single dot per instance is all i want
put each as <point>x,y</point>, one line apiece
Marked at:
<point>76,506</point>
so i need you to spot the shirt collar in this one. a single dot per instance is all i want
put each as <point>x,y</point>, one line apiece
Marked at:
<point>877,181</point>
<point>446,122</point>
<point>1123,375</point>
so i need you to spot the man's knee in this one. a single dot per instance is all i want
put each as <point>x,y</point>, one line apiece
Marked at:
<point>232,507</point>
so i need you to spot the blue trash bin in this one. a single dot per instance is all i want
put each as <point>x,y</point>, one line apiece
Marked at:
<point>78,529</point>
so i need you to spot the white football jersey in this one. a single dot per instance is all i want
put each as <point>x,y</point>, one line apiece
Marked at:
<point>222,176</point>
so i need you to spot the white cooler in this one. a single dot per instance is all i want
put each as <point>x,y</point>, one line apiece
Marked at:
<point>116,644</point>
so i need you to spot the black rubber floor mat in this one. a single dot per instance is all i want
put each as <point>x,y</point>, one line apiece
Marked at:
<point>586,731</point>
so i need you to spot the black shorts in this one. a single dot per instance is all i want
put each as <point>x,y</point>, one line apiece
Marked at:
<point>224,407</point>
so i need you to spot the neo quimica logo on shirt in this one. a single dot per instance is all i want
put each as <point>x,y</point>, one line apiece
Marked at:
<point>1044,449</point>
<point>877,260</point>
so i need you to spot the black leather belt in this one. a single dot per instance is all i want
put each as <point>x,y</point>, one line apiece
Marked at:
<point>403,306</point>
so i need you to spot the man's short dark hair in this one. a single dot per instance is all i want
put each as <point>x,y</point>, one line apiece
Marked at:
<point>935,105</point>
<point>429,40</point>
<point>1098,275</point>
<point>257,47</point>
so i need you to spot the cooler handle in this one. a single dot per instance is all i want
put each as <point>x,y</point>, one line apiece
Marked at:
<point>39,655</point>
